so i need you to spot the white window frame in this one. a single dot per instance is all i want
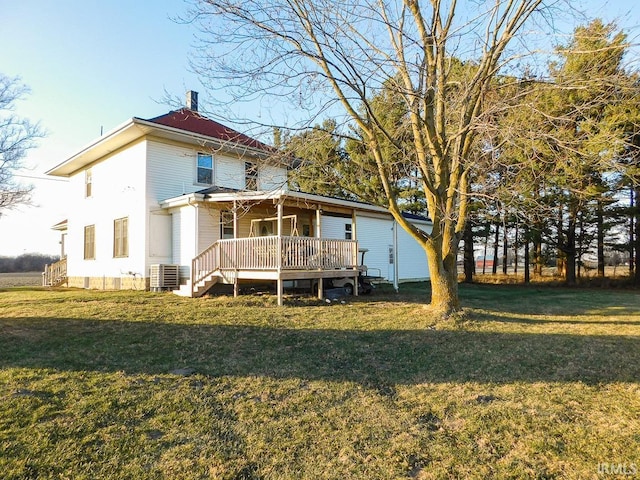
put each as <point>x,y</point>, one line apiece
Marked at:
<point>200,155</point>
<point>348,231</point>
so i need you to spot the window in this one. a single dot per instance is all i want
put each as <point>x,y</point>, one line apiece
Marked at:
<point>226,224</point>
<point>347,231</point>
<point>88,182</point>
<point>250,176</point>
<point>121,237</point>
<point>205,169</point>
<point>90,242</point>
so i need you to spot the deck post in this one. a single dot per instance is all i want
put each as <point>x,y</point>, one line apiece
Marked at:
<point>354,236</point>
<point>318,234</point>
<point>236,282</point>
<point>236,285</point>
<point>280,252</point>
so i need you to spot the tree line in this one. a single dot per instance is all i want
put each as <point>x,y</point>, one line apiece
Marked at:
<point>555,168</point>
<point>27,262</point>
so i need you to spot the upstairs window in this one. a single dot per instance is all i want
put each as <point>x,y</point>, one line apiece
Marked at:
<point>90,242</point>
<point>121,237</point>
<point>205,169</point>
<point>250,176</point>
<point>88,182</point>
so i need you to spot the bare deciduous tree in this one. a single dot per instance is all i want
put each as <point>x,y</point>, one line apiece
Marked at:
<point>326,57</point>
<point>17,136</point>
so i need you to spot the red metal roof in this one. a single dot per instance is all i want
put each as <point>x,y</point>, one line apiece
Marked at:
<point>190,121</point>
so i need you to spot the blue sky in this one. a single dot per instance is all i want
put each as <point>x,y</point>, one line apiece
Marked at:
<point>93,65</point>
<point>89,65</point>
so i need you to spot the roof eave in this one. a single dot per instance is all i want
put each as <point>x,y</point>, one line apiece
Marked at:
<point>104,145</point>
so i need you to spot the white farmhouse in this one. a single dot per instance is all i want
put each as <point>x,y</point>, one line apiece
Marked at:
<point>182,201</point>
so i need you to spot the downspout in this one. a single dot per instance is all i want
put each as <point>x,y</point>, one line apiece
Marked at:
<point>395,256</point>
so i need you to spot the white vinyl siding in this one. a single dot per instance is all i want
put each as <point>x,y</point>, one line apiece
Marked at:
<point>376,235</point>
<point>117,191</point>
<point>334,227</point>
<point>412,259</point>
<point>208,227</point>
<point>230,172</point>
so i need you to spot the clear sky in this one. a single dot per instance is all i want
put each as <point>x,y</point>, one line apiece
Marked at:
<point>93,65</point>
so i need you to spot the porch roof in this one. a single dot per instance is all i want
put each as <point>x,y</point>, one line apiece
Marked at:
<point>300,199</point>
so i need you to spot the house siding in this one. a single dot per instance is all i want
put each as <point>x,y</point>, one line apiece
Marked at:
<point>114,196</point>
<point>272,178</point>
<point>412,259</point>
<point>334,227</point>
<point>229,172</point>
<point>208,227</point>
<point>171,172</point>
<point>376,235</point>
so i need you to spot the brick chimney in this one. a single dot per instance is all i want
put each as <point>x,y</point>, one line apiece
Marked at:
<point>192,100</point>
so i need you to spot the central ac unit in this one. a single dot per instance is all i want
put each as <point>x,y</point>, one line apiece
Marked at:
<point>165,277</point>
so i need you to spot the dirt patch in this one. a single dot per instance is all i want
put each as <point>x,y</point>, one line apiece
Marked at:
<point>21,279</point>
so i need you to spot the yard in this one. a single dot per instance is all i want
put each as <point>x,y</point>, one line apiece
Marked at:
<point>534,382</point>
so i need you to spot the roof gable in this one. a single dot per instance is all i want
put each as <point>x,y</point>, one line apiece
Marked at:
<point>191,121</point>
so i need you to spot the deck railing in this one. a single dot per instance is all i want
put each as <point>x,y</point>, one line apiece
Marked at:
<point>55,274</point>
<point>275,253</point>
<point>287,253</point>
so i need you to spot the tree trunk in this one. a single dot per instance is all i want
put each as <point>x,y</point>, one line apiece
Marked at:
<point>444,284</point>
<point>600,220</point>
<point>538,260</point>
<point>486,242</point>
<point>632,214</point>
<point>496,240</point>
<point>636,241</point>
<point>505,250</point>
<point>570,248</point>
<point>515,252</point>
<point>561,261</point>
<point>527,273</point>
<point>468,253</point>
<point>536,239</point>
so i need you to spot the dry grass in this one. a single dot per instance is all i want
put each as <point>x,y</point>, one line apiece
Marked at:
<point>529,383</point>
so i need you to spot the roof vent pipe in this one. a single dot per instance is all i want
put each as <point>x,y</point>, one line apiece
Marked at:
<point>192,100</point>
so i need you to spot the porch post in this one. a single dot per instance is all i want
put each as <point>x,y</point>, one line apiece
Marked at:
<point>354,236</point>
<point>279,253</point>
<point>235,219</point>
<point>318,222</point>
<point>236,284</point>
<point>318,234</point>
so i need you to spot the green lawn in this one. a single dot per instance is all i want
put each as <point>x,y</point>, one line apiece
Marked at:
<point>529,383</point>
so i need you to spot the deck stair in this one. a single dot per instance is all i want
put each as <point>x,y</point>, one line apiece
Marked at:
<point>55,275</point>
<point>270,258</point>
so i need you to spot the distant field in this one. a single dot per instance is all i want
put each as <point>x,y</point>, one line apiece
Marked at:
<point>20,279</point>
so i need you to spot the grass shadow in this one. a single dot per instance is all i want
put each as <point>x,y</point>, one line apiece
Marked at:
<point>377,357</point>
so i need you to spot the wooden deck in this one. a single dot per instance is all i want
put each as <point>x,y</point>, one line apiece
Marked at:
<point>273,258</point>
